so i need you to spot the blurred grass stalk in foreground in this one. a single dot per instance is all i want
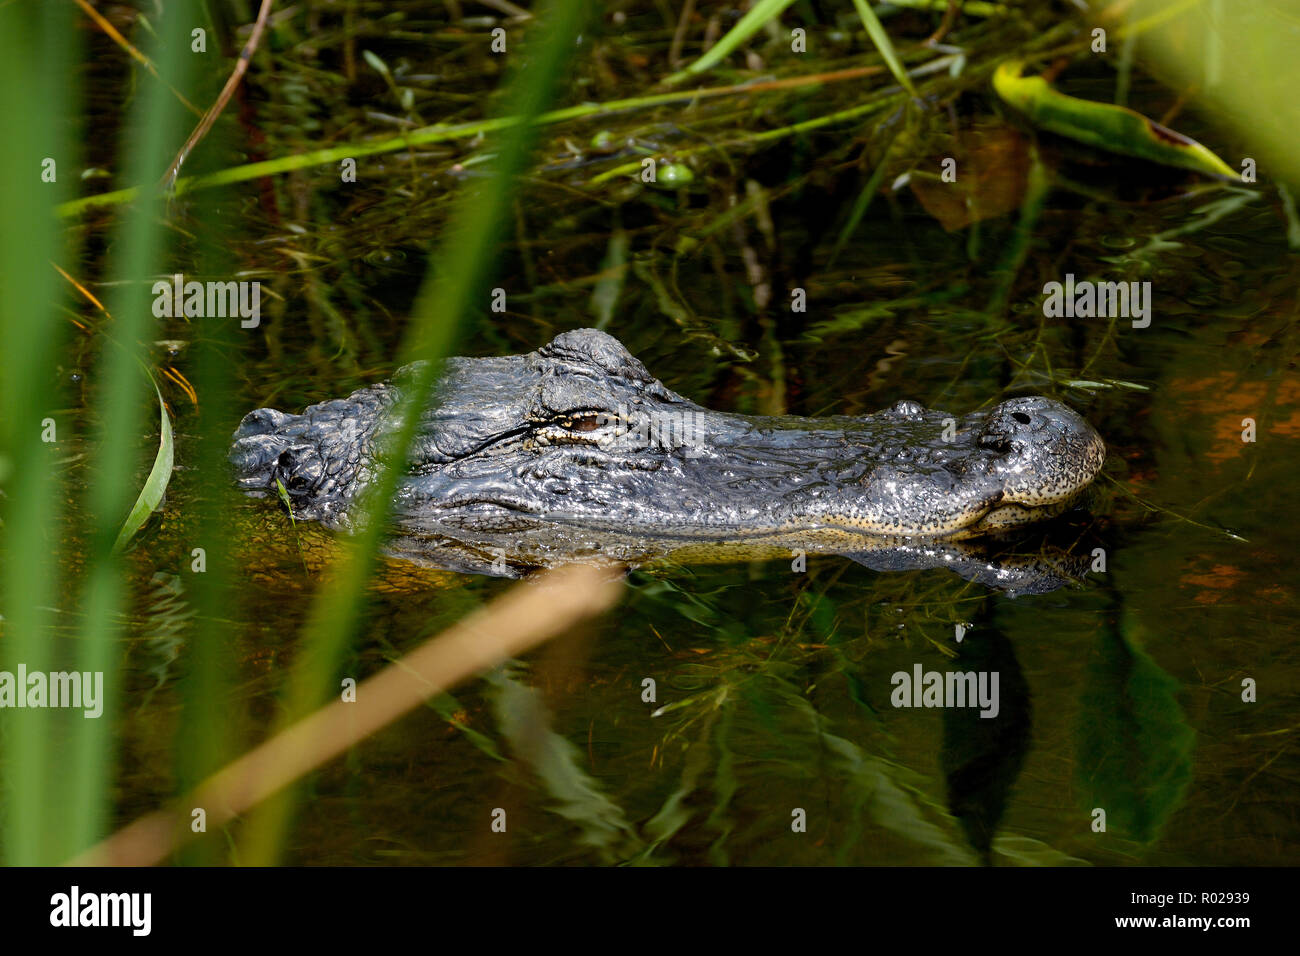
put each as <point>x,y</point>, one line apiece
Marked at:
<point>59,770</point>
<point>35,69</point>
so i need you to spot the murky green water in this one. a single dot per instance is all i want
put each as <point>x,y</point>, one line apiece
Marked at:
<point>1125,694</point>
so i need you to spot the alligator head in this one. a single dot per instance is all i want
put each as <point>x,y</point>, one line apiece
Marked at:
<point>575,451</point>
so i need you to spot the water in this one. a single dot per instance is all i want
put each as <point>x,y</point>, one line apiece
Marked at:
<point>1162,693</point>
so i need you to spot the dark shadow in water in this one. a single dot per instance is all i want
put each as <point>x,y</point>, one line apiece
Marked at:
<point>983,756</point>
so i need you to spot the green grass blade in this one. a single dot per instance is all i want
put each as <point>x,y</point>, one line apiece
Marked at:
<point>155,485</point>
<point>38,49</point>
<point>883,44</point>
<point>210,732</point>
<point>758,16</point>
<point>863,201</point>
<point>156,124</point>
<point>971,8</point>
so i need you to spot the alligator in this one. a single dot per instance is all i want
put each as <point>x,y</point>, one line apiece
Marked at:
<point>575,452</point>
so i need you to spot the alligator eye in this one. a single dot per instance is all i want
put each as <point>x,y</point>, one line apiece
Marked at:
<point>1021,417</point>
<point>581,421</point>
<point>580,427</point>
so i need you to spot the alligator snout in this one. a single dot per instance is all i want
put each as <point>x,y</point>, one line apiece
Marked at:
<point>265,454</point>
<point>1050,451</point>
<point>258,443</point>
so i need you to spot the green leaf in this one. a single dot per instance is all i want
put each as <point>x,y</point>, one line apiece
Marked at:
<point>282,493</point>
<point>881,39</point>
<point>156,484</point>
<point>1116,129</point>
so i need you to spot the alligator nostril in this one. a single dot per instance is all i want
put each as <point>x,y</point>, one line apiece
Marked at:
<point>1021,417</point>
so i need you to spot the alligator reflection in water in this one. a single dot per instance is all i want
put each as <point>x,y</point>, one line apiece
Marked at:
<point>575,452</point>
